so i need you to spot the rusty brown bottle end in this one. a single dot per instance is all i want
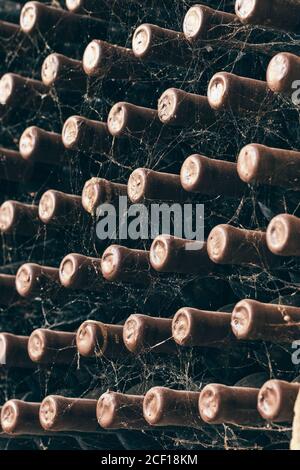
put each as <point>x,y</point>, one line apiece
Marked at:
<point>10,417</point>
<point>142,333</point>
<point>276,400</point>
<point>80,133</point>
<point>133,333</point>
<point>39,145</point>
<point>91,338</point>
<point>120,411</point>
<point>173,254</point>
<point>6,216</point>
<point>218,244</point>
<point>252,320</point>
<point>119,263</point>
<point>112,263</point>
<point>200,19</point>
<point>194,24</point>
<point>193,327</point>
<point>178,108</point>
<point>166,407</point>
<point>118,119</point>
<point>137,185</point>
<point>47,206</point>
<point>101,340</point>
<point>47,346</point>
<point>80,272</point>
<point>220,404</point>
<point>283,235</point>
<point>146,184</point>
<point>29,17</point>
<point>61,71</point>
<point>167,106</point>
<point>227,244</point>
<point>62,414</point>
<point>102,59</point>
<point>282,71</point>
<point>21,418</point>
<point>153,43</point>
<point>59,208</point>
<point>193,174</point>
<point>6,88</point>
<point>28,142</point>
<point>33,278</point>
<point>243,319</point>
<point>92,59</point>
<point>272,166</point>
<point>250,164</point>
<point>229,91</point>
<point>26,279</point>
<point>154,405</point>
<point>48,412</point>
<point>209,176</point>
<point>37,345</point>
<point>71,132</point>
<point>210,404</point>
<point>161,253</point>
<point>141,41</point>
<point>68,271</point>
<point>182,327</point>
<point>218,91</point>
<point>99,191</point>
<point>50,69</point>
<point>127,119</point>
<point>93,194</point>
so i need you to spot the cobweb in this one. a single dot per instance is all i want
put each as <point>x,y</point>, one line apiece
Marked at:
<point>276,125</point>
